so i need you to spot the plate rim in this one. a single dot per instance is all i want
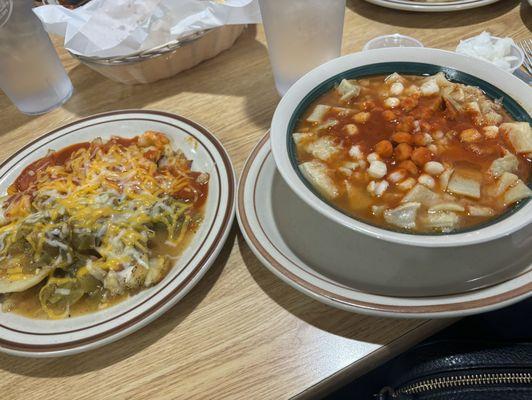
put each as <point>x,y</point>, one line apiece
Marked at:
<point>160,306</point>
<point>416,7</point>
<point>452,309</point>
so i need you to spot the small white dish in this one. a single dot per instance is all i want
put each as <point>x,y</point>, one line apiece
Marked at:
<point>515,51</point>
<point>395,40</point>
<point>354,272</point>
<point>49,338</point>
<point>440,6</point>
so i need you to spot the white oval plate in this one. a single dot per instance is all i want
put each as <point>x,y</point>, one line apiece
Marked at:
<point>272,219</point>
<point>47,338</point>
<point>440,6</point>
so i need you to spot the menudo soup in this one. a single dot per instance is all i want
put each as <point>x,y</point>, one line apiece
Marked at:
<point>421,154</point>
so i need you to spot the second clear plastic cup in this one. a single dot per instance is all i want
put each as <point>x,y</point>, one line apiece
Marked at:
<point>395,40</point>
<point>31,74</point>
<point>301,35</point>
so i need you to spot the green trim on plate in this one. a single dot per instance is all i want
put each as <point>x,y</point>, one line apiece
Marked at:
<point>517,112</point>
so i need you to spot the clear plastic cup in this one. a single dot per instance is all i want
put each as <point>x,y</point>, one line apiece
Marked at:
<point>31,74</point>
<point>301,35</point>
<point>395,40</point>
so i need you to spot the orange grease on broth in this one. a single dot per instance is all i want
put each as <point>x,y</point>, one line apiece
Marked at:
<point>377,129</point>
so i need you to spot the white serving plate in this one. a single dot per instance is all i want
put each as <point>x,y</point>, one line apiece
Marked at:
<point>45,338</point>
<point>440,6</point>
<point>328,262</point>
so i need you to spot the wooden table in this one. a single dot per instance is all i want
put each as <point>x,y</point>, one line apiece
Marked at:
<point>241,332</point>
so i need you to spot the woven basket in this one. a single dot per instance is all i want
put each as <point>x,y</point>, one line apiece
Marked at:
<point>166,60</point>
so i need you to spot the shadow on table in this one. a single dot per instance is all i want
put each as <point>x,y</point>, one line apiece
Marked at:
<point>428,20</point>
<point>526,14</point>
<point>126,347</point>
<point>317,314</point>
<point>16,118</point>
<point>95,94</point>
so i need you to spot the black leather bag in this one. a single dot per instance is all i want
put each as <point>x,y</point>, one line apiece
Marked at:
<point>458,370</point>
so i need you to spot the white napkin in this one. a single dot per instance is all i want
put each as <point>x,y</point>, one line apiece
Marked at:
<point>108,28</point>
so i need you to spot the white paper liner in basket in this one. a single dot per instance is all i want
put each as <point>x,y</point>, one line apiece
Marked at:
<point>148,39</point>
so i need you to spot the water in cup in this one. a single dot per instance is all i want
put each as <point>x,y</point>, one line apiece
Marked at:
<point>301,35</point>
<point>31,74</point>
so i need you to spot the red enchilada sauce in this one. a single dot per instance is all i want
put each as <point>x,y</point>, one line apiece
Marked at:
<point>60,157</point>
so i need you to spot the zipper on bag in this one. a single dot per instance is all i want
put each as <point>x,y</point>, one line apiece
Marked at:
<point>458,381</point>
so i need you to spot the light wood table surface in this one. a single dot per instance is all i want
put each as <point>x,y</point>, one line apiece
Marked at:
<point>241,332</point>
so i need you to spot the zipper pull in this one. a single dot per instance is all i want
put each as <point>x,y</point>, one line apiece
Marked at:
<point>388,393</point>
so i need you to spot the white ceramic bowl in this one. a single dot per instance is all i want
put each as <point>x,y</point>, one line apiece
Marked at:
<point>509,238</point>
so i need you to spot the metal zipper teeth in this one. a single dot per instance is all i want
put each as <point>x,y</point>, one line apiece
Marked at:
<point>446,382</point>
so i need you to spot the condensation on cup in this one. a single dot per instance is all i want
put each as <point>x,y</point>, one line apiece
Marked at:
<point>31,74</point>
<point>301,35</point>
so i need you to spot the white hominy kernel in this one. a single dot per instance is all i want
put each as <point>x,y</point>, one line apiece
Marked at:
<point>433,168</point>
<point>345,171</point>
<point>470,135</point>
<point>433,148</point>
<point>377,169</point>
<point>361,117</point>
<point>491,132</point>
<point>437,135</point>
<point>356,152</point>
<point>371,186</point>
<point>427,138</point>
<point>412,89</point>
<point>373,157</point>
<point>391,102</point>
<point>350,165</point>
<point>426,180</point>
<point>351,129</point>
<point>381,187</point>
<point>429,88</point>
<point>396,176</point>
<point>397,88</point>
<point>407,184</point>
<point>417,126</point>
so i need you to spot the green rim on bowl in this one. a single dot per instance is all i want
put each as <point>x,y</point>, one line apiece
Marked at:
<point>517,112</point>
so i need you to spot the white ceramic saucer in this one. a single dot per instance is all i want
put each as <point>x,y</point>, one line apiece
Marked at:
<point>325,261</point>
<point>46,338</point>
